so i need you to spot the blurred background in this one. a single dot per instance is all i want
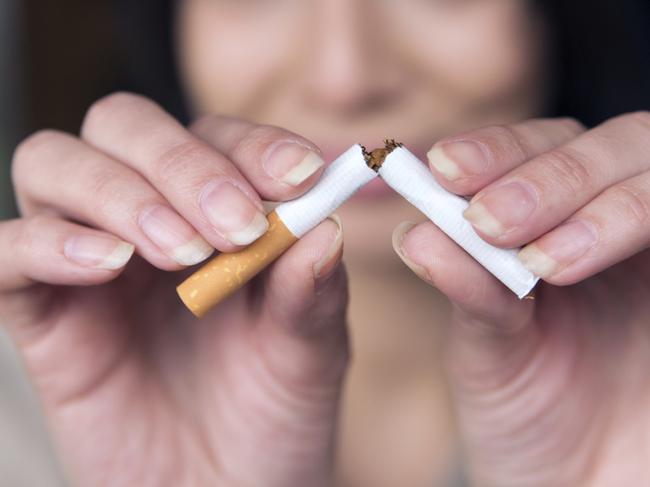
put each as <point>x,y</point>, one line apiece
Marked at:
<point>57,57</point>
<point>47,77</point>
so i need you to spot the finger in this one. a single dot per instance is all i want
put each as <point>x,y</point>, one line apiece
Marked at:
<point>56,171</point>
<point>436,259</point>
<point>467,162</point>
<point>48,250</point>
<point>537,196</point>
<point>610,229</point>
<point>279,164</point>
<point>200,183</point>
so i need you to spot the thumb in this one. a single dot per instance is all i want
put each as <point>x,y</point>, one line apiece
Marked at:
<point>302,312</point>
<point>299,343</point>
<point>281,389</point>
<point>493,331</point>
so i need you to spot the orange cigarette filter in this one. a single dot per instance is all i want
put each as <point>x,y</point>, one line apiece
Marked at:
<point>226,273</point>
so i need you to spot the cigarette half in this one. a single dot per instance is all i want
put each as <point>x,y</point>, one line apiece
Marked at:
<point>411,178</point>
<point>228,272</point>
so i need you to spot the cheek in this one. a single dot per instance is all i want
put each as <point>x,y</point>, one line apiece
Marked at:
<point>480,51</point>
<point>231,58</point>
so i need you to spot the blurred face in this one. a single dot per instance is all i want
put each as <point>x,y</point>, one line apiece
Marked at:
<point>346,71</point>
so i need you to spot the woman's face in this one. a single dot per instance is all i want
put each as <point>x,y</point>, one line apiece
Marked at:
<point>346,71</point>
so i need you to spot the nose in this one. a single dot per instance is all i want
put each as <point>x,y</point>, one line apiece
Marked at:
<point>345,62</point>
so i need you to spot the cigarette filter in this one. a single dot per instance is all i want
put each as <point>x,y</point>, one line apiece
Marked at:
<point>411,178</point>
<point>227,272</point>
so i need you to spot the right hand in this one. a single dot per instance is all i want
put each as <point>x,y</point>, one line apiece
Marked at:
<point>136,391</point>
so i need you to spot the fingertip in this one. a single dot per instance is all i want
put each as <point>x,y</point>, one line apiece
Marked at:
<point>439,261</point>
<point>280,164</point>
<point>458,165</point>
<point>420,249</point>
<point>399,234</point>
<point>292,163</point>
<point>118,258</point>
<point>326,264</point>
<point>97,251</point>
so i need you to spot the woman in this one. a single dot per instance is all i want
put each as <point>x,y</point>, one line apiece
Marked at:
<point>547,392</point>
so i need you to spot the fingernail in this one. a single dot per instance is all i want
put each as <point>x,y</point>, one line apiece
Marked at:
<point>171,234</point>
<point>232,214</point>
<point>458,159</point>
<point>502,209</point>
<point>324,267</point>
<point>399,234</point>
<point>558,249</point>
<point>98,252</point>
<point>291,163</point>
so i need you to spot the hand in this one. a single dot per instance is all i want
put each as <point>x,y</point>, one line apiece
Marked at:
<point>551,391</point>
<point>135,389</point>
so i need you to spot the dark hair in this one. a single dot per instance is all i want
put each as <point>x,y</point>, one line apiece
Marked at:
<point>601,51</point>
<point>146,30</point>
<point>600,55</point>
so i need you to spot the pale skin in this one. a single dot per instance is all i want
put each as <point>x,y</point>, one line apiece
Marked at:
<point>549,391</point>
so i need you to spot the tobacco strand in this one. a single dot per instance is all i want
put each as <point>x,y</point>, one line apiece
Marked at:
<point>376,157</point>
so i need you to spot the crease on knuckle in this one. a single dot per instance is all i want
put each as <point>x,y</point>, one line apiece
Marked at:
<point>632,204</point>
<point>256,140</point>
<point>107,188</point>
<point>177,160</point>
<point>504,140</point>
<point>567,168</point>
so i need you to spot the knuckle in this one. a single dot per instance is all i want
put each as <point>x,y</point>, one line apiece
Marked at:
<point>104,108</point>
<point>503,143</point>
<point>631,203</point>
<point>258,139</point>
<point>508,141</point>
<point>103,183</point>
<point>176,160</point>
<point>567,168</point>
<point>110,194</point>
<point>28,152</point>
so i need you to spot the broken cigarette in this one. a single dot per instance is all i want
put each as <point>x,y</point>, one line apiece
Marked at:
<point>226,273</point>
<point>403,172</point>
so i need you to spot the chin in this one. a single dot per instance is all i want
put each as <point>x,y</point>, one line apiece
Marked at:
<point>368,224</point>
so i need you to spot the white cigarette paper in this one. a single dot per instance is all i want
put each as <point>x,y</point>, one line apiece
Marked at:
<point>339,181</point>
<point>411,178</point>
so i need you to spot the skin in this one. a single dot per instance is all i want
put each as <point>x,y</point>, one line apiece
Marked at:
<point>547,391</point>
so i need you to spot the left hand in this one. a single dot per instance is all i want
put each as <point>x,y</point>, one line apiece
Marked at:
<point>552,391</point>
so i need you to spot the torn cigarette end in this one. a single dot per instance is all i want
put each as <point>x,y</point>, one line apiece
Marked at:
<point>375,158</point>
<point>227,272</point>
